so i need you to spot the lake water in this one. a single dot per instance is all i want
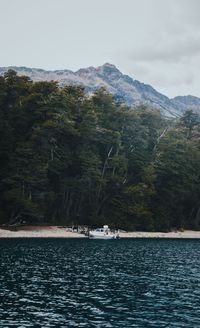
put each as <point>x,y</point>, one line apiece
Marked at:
<point>97,283</point>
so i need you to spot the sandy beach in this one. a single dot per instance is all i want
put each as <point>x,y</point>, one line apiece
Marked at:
<point>61,232</point>
<point>39,232</point>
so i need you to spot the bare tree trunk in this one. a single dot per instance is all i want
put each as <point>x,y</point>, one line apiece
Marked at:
<point>159,138</point>
<point>117,153</point>
<point>103,171</point>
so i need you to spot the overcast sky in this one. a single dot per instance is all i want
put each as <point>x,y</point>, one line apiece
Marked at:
<point>154,41</point>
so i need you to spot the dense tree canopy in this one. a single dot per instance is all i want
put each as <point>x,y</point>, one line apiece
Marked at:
<point>68,157</point>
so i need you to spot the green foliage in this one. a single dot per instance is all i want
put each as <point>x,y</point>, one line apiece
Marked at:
<point>66,157</point>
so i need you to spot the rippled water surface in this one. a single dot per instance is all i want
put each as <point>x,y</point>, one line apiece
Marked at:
<point>89,283</point>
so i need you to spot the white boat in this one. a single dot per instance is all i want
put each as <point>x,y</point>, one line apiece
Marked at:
<point>103,233</point>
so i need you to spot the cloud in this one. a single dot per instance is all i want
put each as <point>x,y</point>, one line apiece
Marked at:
<point>172,33</point>
<point>175,79</point>
<point>167,54</point>
<point>156,74</point>
<point>167,50</point>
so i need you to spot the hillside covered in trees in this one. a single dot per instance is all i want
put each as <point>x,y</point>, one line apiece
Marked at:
<point>69,158</point>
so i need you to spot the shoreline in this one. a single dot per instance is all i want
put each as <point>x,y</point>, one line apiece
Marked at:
<point>61,232</point>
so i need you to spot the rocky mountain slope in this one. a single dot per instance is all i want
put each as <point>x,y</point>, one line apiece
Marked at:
<point>124,87</point>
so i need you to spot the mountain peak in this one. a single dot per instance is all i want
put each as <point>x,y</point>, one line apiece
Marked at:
<point>109,70</point>
<point>123,87</point>
<point>109,65</point>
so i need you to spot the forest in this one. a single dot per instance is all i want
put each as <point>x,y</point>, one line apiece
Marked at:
<point>69,157</point>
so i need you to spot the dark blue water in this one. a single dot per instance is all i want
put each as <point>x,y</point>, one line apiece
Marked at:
<point>88,283</point>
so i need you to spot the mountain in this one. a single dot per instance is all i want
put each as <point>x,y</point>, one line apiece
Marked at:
<point>123,87</point>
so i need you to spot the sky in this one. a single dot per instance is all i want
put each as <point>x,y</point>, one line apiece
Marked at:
<point>154,41</point>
